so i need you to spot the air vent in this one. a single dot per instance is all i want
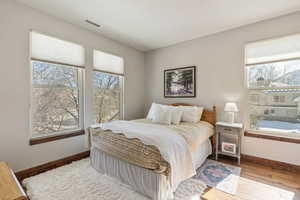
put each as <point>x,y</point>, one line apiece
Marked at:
<point>92,23</point>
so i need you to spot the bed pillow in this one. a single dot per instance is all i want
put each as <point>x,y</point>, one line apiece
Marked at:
<point>191,113</point>
<point>176,114</point>
<point>151,111</point>
<point>162,115</point>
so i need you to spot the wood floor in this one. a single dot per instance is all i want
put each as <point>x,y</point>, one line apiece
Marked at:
<point>259,182</point>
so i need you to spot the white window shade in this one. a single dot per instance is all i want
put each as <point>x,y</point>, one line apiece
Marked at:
<point>50,49</point>
<point>273,50</point>
<point>108,63</point>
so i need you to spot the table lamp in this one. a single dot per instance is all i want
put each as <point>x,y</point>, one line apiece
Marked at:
<point>231,108</point>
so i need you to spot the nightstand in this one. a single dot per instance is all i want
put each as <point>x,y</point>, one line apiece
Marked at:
<point>228,139</point>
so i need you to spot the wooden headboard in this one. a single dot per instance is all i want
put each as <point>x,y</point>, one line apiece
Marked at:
<point>207,115</point>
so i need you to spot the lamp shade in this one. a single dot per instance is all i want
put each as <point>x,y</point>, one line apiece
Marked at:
<point>231,107</point>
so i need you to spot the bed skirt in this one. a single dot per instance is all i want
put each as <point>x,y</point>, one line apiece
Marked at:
<point>145,181</point>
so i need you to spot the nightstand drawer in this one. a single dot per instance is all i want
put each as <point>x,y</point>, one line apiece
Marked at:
<point>229,138</point>
<point>228,130</point>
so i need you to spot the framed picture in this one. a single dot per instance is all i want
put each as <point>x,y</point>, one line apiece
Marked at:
<point>228,148</point>
<point>180,82</point>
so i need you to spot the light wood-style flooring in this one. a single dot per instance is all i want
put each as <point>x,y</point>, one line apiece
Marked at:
<point>258,182</point>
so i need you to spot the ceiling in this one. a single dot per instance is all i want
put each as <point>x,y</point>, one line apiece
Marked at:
<point>151,24</point>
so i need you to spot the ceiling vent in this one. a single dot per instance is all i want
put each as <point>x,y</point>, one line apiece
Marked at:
<point>92,23</point>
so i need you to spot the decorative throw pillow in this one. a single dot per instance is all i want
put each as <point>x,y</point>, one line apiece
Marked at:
<point>191,113</point>
<point>162,115</point>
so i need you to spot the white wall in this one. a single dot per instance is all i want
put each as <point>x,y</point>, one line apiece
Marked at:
<point>220,75</point>
<point>16,21</point>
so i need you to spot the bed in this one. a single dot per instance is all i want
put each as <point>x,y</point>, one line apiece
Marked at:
<point>145,166</point>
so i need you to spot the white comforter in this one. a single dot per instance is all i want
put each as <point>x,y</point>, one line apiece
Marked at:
<point>172,146</point>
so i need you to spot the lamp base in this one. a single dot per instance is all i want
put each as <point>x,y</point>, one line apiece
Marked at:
<point>230,117</point>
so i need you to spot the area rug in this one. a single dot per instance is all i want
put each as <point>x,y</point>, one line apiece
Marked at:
<point>219,175</point>
<point>79,181</point>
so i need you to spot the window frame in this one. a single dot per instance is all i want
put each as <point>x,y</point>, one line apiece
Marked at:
<point>121,81</point>
<point>268,133</point>
<point>81,75</point>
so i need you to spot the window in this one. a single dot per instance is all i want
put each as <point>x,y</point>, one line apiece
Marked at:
<point>57,86</point>
<point>55,98</point>
<point>278,99</point>
<point>273,80</point>
<point>254,98</point>
<point>107,87</point>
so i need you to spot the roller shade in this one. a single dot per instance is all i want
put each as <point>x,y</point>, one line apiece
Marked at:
<point>273,50</point>
<point>50,49</point>
<point>108,63</point>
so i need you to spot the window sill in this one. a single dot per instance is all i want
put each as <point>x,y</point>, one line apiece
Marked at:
<point>34,141</point>
<point>267,136</point>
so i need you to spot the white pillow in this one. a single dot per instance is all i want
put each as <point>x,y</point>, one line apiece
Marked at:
<point>191,113</point>
<point>162,115</point>
<point>151,111</point>
<point>176,114</point>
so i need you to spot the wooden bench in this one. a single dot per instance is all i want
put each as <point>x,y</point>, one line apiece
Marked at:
<point>10,188</point>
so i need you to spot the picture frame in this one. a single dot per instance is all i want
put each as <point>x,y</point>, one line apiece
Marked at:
<point>180,82</point>
<point>228,147</point>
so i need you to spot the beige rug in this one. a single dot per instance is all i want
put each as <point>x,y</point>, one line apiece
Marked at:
<point>79,181</point>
